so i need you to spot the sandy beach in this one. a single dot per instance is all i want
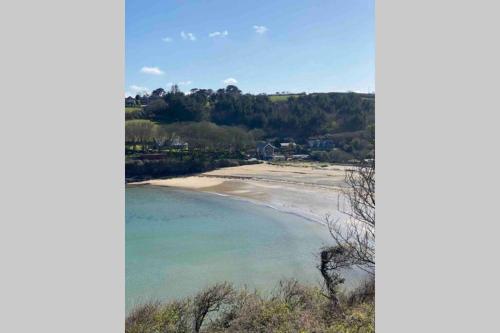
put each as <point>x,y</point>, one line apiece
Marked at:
<point>307,189</point>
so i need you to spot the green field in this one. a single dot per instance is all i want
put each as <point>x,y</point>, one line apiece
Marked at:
<point>132,112</point>
<point>282,98</point>
<point>285,97</point>
<point>132,109</point>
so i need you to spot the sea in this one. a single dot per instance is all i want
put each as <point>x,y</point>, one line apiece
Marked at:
<point>179,241</point>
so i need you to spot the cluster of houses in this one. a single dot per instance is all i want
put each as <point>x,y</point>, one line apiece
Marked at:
<point>288,150</point>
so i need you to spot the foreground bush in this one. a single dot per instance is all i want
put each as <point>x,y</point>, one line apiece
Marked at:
<point>291,308</point>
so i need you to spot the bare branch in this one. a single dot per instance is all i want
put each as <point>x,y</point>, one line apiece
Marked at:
<point>210,300</point>
<point>356,232</point>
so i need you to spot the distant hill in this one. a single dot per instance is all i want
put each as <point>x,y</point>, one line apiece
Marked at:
<point>347,119</point>
<point>285,97</point>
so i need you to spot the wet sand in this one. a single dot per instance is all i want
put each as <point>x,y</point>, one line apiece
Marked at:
<point>306,189</point>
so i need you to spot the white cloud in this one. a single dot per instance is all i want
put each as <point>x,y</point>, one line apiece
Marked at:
<point>181,83</point>
<point>230,81</point>
<point>167,39</point>
<point>218,34</point>
<point>151,70</point>
<point>260,29</point>
<point>188,36</point>
<point>134,90</point>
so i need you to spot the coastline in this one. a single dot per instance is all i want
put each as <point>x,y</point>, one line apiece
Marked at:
<point>308,190</point>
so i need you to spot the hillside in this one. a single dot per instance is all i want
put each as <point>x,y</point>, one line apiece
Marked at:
<point>285,97</point>
<point>172,133</point>
<point>296,116</point>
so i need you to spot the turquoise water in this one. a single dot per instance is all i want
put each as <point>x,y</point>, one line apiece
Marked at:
<point>180,241</point>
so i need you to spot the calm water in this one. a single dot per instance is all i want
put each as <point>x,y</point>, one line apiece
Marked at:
<point>179,241</point>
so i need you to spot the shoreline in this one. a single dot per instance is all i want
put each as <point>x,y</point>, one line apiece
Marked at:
<point>304,190</point>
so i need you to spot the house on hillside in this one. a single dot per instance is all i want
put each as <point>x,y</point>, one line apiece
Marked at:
<point>287,145</point>
<point>130,101</point>
<point>265,150</point>
<point>179,144</point>
<point>287,148</point>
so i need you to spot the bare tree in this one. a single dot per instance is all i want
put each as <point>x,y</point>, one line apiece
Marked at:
<point>139,131</point>
<point>210,300</point>
<point>356,233</point>
<point>160,136</point>
<point>333,260</point>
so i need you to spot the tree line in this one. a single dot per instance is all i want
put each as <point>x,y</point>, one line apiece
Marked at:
<point>158,150</point>
<point>222,128</point>
<point>144,135</point>
<point>299,117</point>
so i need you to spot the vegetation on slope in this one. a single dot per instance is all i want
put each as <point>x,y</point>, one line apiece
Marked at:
<point>299,118</point>
<point>223,127</point>
<point>282,97</point>
<point>133,113</point>
<point>158,150</point>
<point>293,307</point>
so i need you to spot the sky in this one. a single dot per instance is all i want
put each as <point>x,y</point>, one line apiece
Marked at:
<point>259,46</point>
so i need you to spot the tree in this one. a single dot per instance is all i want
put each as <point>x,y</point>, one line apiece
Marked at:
<point>160,136</point>
<point>356,233</point>
<point>355,236</point>
<point>210,300</point>
<point>139,131</point>
<point>157,109</point>
<point>333,260</point>
<point>160,92</point>
<point>174,89</point>
<point>232,90</point>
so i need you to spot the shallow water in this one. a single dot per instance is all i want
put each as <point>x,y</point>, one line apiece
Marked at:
<point>180,241</point>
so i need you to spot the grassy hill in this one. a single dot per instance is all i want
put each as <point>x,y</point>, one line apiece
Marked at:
<point>282,98</point>
<point>285,97</point>
<point>133,112</point>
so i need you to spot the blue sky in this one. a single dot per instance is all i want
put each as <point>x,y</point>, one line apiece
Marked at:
<point>260,46</point>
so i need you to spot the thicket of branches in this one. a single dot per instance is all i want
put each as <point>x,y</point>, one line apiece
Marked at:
<point>354,235</point>
<point>199,135</point>
<point>292,307</point>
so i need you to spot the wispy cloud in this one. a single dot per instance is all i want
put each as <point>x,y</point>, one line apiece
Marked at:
<point>230,81</point>
<point>181,83</point>
<point>218,34</point>
<point>167,39</point>
<point>134,90</point>
<point>260,29</point>
<point>151,70</point>
<point>188,36</point>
